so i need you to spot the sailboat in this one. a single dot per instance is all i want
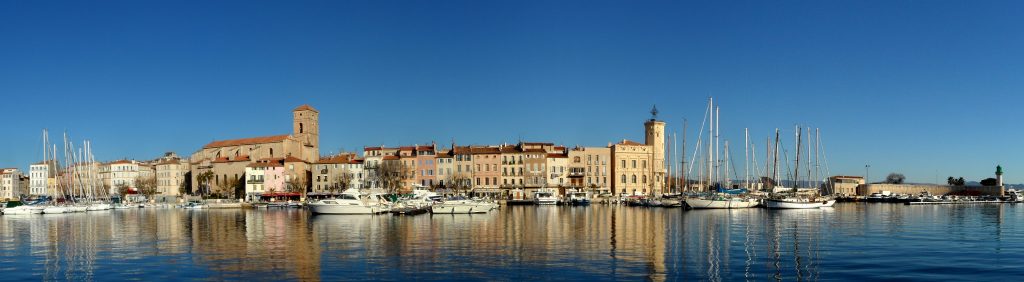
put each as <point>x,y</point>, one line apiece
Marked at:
<point>722,198</point>
<point>793,199</point>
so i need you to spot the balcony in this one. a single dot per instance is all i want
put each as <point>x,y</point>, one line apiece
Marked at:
<point>254,181</point>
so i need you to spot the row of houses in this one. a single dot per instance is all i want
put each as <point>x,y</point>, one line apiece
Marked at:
<point>290,165</point>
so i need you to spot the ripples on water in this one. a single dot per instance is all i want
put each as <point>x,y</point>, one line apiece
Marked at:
<point>848,242</point>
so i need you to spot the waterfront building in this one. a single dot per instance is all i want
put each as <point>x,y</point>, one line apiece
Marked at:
<point>356,171</point>
<point>463,158</point>
<point>426,167</point>
<point>445,167</point>
<point>842,185</point>
<point>535,168</point>
<point>373,157</point>
<point>264,177</point>
<point>407,156</point>
<point>172,174</point>
<point>640,167</point>
<point>122,173</point>
<point>11,187</point>
<point>486,170</point>
<point>589,169</point>
<point>227,159</point>
<point>329,172</point>
<point>558,170</point>
<point>41,177</point>
<point>511,168</point>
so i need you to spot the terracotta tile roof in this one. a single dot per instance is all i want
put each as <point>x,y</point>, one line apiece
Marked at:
<point>389,158</point>
<point>291,159</point>
<point>221,160</point>
<point>378,148</point>
<point>306,107</point>
<point>267,163</point>
<point>246,141</point>
<point>535,151</point>
<point>121,162</point>
<point>538,143</point>
<point>485,150</point>
<point>424,148</point>
<point>444,154</point>
<point>341,159</point>
<point>356,161</point>
<point>406,148</point>
<point>558,156</point>
<point>509,149</point>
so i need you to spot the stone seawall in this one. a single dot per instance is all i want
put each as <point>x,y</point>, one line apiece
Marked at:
<point>914,189</point>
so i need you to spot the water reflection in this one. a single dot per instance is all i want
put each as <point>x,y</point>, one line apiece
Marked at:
<point>599,242</point>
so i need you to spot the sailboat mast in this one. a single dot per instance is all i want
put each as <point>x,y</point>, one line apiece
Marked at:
<point>775,156</point>
<point>746,158</point>
<point>796,170</point>
<point>685,173</point>
<point>711,143</point>
<point>718,153</point>
<point>727,179</point>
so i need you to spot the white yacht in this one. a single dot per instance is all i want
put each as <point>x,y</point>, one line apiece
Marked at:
<point>797,203</point>
<point>545,197</point>
<point>56,210</point>
<point>350,202</point>
<point>23,209</point>
<point>721,202</point>
<point>98,207</point>
<point>462,206</point>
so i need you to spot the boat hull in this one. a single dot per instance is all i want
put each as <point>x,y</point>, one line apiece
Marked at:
<point>344,209</point>
<point>697,203</point>
<point>459,209</point>
<point>22,210</point>
<point>783,204</point>
<point>56,210</point>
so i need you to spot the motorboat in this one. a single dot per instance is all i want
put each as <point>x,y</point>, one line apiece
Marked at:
<point>56,210</point>
<point>462,206</point>
<point>721,202</point>
<point>578,199</point>
<point>545,197</point>
<point>189,205</point>
<point>23,209</point>
<point>98,207</point>
<point>350,202</point>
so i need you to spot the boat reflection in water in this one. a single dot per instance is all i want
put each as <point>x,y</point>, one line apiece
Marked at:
<point>597,242</point>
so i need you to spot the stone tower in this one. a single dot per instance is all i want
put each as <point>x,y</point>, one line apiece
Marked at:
<point>306,128</point>
<point>999,175</point>
<point>654,136</point>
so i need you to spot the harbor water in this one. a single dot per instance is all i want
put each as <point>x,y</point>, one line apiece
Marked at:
<point>852,241</point>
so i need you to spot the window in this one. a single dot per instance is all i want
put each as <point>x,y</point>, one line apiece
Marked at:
<point>645,179</point>
<point>623,163</point>
<point>645,164</point>
<point>634,179</point>
<point>634,164</point>
<point>623,179</point>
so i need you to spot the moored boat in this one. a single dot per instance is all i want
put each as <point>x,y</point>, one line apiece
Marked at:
<point>721,202</point>
<point>350,202</point>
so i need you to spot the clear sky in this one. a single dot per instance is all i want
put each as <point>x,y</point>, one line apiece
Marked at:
<point>927,88</point>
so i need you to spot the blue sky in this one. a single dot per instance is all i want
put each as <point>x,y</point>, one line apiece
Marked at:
<point>926,88</point>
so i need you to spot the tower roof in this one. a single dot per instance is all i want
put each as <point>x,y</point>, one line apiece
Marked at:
<point>999,170</point>
<point>305,107</point>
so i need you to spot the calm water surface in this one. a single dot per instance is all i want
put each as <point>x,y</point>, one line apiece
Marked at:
<point>848,242</point>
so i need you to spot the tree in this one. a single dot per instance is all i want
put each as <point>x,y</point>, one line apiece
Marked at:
<point>296,184</point>
<point>989,182</point>
<point>895,178</point>
<point>146,186</point>
<point>390,174</point>
<point>122,189</point>
<point>342,182</point>
<point>204,182</point>
<point>229,187</point>
<point>461,182</point>
<point>961,182</point>
<point>951,181</point>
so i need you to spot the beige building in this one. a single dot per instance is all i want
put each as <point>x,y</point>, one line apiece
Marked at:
<point>511,168</point>
<point>486,170</point>
<point>11,184</point>
<point>172,173</point>
<point>639,168</point>
<point>328,173</point>
<point>589,169</point>
<point>227,159</point>
<point>843,185</point>
<point>558,170</point>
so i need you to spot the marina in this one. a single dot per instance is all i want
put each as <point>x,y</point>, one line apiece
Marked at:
<point>596,242</point>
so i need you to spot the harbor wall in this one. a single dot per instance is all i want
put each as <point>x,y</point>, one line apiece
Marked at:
<point>914,189</point>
